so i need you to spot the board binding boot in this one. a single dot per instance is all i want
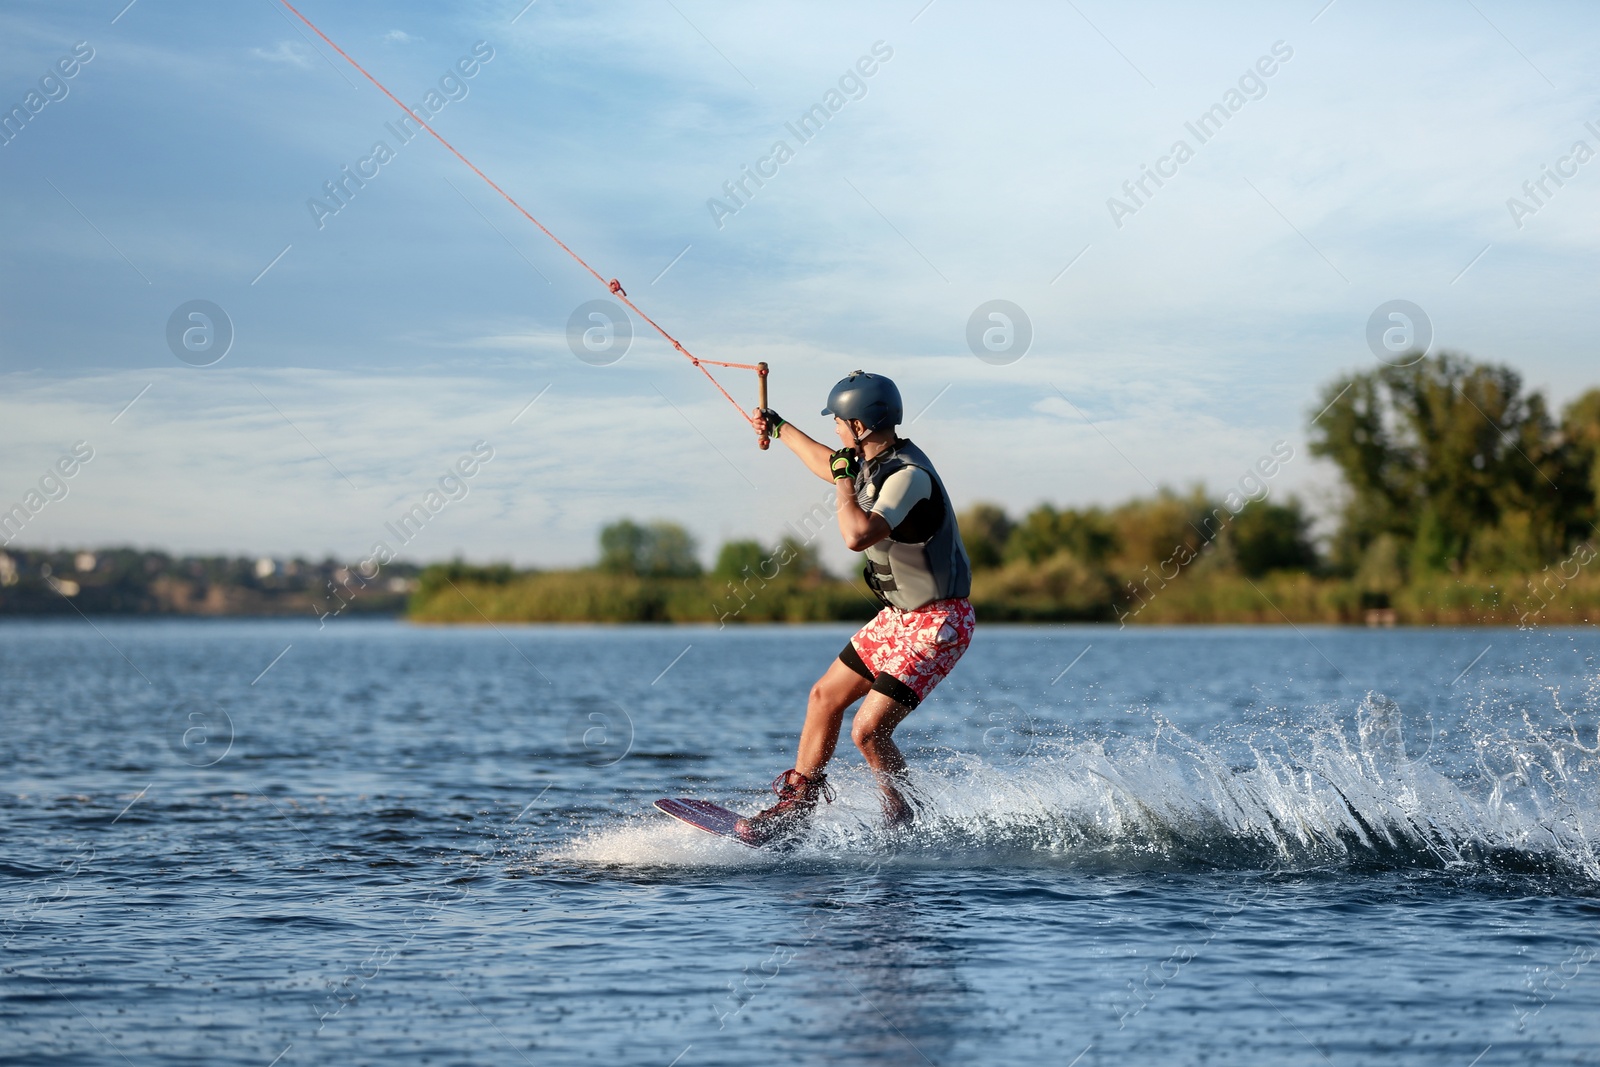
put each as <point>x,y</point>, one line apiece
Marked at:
<point>797,798</point>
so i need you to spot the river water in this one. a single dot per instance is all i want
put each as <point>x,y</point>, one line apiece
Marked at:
<point>242,842</point>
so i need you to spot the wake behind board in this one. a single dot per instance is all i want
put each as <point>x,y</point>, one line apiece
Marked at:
<point>704,815</point>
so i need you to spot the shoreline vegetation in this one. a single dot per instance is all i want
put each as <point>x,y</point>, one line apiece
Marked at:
<point>1008,595</point>
<point>1464,501</point>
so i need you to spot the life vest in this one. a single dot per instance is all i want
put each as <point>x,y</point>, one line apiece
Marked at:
<point>922,559</point>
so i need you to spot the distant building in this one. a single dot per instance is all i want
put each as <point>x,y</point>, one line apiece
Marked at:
<point>85,562</point>
<point>266,567</point>
<point>64,586</point>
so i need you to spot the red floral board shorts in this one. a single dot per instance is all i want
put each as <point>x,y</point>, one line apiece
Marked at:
<point>906,653</point>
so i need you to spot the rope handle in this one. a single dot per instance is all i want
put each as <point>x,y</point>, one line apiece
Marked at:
<point>761,393</point>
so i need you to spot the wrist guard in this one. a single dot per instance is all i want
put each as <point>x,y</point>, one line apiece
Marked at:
<point>844,464</point>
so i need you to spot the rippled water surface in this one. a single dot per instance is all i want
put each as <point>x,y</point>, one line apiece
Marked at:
<point>226,842</point>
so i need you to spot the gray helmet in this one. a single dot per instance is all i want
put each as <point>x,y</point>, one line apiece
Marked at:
<point>871,398</point>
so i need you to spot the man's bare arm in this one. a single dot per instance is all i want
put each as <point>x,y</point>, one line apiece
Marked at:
<point>860,529</point>
<point>814,454</point>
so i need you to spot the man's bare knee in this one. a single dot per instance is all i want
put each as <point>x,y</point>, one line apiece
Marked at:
<point>866,731</point>
<point>829,695</point>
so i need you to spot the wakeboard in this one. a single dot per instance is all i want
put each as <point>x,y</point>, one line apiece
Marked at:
<point>704,815</point>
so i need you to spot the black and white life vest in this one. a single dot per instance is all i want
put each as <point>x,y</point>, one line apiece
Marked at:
<point>922,559</point>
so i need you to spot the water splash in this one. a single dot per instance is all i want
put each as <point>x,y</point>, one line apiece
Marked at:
<point>1378,792</point>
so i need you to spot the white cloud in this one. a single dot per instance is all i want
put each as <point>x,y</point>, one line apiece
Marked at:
<point>293,53</point>
<point>398,37</point>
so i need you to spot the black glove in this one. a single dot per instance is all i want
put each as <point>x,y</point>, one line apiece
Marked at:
<point>775,421</point>
<point>844,464</point>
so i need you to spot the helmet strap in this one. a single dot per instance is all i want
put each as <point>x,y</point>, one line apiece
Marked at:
<point>861,449</point>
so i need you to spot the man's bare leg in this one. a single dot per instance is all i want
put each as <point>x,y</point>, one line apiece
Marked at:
<point>836,690</point>
<point>873,732</point>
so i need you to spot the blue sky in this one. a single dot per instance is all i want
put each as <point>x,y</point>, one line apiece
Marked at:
<point>426,313</point>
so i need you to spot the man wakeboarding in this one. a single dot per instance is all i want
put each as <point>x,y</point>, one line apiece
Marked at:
<point>892,506</point>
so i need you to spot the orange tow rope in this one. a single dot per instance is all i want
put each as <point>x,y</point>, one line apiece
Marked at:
<point>613,285</point>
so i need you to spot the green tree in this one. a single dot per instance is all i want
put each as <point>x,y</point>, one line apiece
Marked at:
<point>798,559</point>
<point>1580,429</point>
<point>1166,526</point>
<point>1273,537</point>
<point>655,550</point>
<point>1435,453</point>
<point>621,547</point>
<point>789,561</point>
<point>1089,535</point>
<point>440,576</point>
<point>735,557</point>
<point>1381,571</point>
<point>985,528</point>
<point>1511,546</point>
